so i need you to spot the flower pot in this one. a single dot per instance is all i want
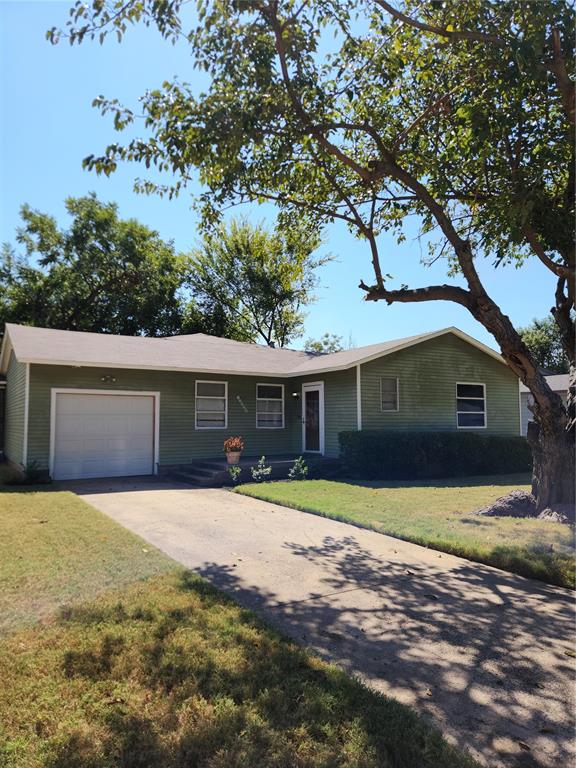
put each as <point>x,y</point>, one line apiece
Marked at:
<point>233,457</point>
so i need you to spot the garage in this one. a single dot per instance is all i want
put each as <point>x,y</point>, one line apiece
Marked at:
<point>103,434</point>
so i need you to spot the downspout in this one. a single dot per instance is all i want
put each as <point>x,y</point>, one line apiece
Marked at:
<point>358,398</point>
<point>26,407</point>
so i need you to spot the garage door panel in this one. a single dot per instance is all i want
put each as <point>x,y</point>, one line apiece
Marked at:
<point>101,435</point>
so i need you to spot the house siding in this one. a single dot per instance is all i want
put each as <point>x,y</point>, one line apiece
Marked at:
<point>427,375</point>
<point>14,413</point>
<point>526,414</point>
<point>339,407</point>
<point>180,441</point>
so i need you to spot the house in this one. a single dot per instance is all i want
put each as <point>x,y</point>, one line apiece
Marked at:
<point>96,405</point>
<point>557,382</point>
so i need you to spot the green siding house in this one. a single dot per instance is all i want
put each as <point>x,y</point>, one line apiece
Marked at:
<point>95,405</point>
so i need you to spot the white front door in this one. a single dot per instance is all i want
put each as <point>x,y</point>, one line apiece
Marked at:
<point>313,417</point>
<point>102,435</point>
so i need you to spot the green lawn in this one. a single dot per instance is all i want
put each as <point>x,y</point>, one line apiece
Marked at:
<point>55,550</point>
<point>438,514</point>
<point>165,671</point>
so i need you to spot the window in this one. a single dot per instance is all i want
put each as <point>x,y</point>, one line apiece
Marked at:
<point>471,405</point>
<point>211,404</point>
<point>270,406</point>
<point>389,393</point>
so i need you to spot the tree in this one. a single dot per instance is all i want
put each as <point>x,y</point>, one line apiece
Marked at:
<point>543,340</point>
<point>329,342</point>
<point>461,114</point>
<point>103,274</point>
<point>257,280</point>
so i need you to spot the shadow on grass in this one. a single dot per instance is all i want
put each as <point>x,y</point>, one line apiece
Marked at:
<point>224,691</point>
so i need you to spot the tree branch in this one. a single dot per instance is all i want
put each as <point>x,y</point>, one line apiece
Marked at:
<point>560,270</point>
<point>410,295</point>
<point>565,85</point>
<point>478,37</point>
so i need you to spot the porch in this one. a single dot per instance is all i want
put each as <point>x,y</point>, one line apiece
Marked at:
<point>210,473</point>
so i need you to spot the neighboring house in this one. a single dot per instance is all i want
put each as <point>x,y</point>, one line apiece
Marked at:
<point>97,405</point>
<point>558,382</point>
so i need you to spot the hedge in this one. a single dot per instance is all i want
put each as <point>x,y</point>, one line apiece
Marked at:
<point>394,455</point>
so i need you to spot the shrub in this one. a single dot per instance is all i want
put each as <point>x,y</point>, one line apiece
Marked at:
<point>299,470</point>
<point>32,474</point>
<point>261,472</point>
<point>394,455</point>
<point>235,471</point>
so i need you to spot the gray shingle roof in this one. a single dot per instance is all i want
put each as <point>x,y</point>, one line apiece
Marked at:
<point>558,382</point>
<point>196,352</point>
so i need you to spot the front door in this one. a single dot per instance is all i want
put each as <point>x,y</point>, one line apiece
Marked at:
<point>313,418</point>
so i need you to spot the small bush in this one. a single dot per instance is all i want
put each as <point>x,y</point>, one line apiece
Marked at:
<point>32,474</point>
<point>261,472</point>
<point>234,471</point>
<point>299,470</point>
<point>394,455</point>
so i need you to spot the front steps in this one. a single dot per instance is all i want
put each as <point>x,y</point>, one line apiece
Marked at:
<point>213,473</point>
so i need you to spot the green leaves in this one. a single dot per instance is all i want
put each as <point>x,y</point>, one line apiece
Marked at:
<point>101,274</point>
<point>256,281</point>
<point>307,104</point>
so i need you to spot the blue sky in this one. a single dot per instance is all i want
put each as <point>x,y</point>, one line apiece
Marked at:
<point>47,125</point>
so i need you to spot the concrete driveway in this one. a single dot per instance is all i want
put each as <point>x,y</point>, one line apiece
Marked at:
<point>486,656</point>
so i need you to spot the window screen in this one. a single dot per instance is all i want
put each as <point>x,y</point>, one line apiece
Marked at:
<point>471,405</point>
<point>270,406</point>
<point>389,393</point>
<point>211,404</point>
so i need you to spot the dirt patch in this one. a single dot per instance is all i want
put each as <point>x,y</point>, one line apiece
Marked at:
<point>514,504</point>
<point>523,504</point>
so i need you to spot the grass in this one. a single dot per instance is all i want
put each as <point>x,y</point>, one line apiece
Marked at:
<point>55,549</point>
<point>439,515</point>
<point>167,672</point>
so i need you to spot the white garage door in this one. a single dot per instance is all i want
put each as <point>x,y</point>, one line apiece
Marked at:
<point>103,435</point>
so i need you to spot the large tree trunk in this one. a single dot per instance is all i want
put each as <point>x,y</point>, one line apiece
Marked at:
<point>552,434</point>
<point>553,474</point>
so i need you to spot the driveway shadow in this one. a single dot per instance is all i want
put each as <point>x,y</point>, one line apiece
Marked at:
<point>487,656</point>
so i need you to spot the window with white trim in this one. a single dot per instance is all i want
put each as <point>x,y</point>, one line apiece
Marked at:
<point>471,405</point>
<point>211,404</point>
<point>270,406</point>
<point>388,393</point>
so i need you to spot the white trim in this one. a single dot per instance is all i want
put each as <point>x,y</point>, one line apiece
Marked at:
<point>209,397</point>
<point>269,384</point>
<point>313,386</point>
<point>26,409</point>
<point>55,391</point>
<point>358,398</point>
<point>390,410</point>
<point>484,413</point>
<point>5,351</point>
<point>520,410</point>
<point>296,372</point>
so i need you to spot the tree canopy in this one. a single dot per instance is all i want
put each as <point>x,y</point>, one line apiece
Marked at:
<point>328,342</point>
<point>258,280</point>
<point>109,275</point>
<point>543,340</point>
<point>101,274</point>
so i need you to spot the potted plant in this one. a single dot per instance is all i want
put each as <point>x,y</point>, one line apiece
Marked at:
<point>233,448</point>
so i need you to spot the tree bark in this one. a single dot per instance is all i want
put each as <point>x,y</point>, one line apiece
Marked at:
<point>552,444</point>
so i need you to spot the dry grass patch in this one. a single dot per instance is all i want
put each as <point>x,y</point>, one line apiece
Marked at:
<point>55,549</point>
